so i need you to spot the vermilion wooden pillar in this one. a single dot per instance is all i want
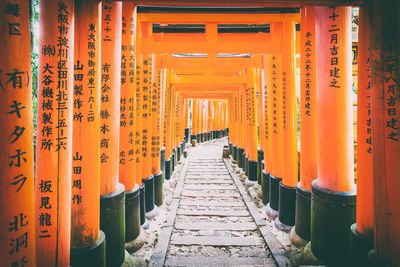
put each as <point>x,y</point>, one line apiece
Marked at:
<point>127,156</point>
<point>362,240</point>
<point>167,125</point>
<point>385,73</point>
<point>87,241</point>
<point>252,128</point>
<point>260,122</point>
<point>308,129</point>
<point>241,132</point>
<point>17,214</point>
<point>265,127</point>
<point>54,139</point>
<point>333,193</point>
<point>194,120</point>
<point>235,130</point>
<point>274,66</point>
<point>147,177</point>
<point>287,187</point>
<point>186,119</point>
<point>156,131</point>
<point>112,199</point>
<point>209,119</point>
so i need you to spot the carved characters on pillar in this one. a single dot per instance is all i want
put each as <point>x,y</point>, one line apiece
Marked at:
<point>17,219</point>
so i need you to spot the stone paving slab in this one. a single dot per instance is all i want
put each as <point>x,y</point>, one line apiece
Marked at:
<point>216,226</point>
<point>193,193</point>
<point>215,241</point>
<point>217,261</point>
<point>209,187</point>
<point>207,181</point>
<point>220,213</point>
<point>211,203</point>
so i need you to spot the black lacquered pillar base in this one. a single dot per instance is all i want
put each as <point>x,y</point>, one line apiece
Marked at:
<point>158,189</point>
<point>142,206</point>
<point>193,137</point>
<point>94,255</point>
<point>112,223</point>
<point>273,205</point>
<point>236,154</point>
<point>221,133</point>
<point>360,245</point>
<point>265,187</point>
<point>209,136</point>
<point>132,214</point>
<point>182,146</point>
<point>198,138</point>
<point>252,170</point>
<point>246,165</point>
<point>303,212</point>
<point>162,162</point>
<point>332,214</point>
<point>168,169</point>
<point>178,153</point>
<point>241,157</point>
<point>287,207</point>
<point>149,193</point>
<point>230,148</point>
<point>186,135</point>
<point>260,158</point>
<point>173,160</point>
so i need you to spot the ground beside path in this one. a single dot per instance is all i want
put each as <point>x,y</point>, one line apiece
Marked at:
<point>210,219</point>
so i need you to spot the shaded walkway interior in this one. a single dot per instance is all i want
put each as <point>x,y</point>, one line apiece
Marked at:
<point>212,225</point>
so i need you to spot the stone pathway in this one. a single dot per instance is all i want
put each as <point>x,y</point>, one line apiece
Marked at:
<point>212,221</point>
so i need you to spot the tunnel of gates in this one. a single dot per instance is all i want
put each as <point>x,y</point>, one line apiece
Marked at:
<point>123,86</point>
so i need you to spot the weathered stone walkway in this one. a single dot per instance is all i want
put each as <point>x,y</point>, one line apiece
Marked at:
<point>212,221</point>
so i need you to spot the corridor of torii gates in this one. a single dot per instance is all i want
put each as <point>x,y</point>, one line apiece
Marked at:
<point>129,91</point>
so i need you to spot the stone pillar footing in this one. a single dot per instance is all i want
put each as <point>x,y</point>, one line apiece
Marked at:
<point>137,243</point>
<point>94,255</point>
<point>281,226</point>
<point>287,205</point>
<point>158,189</point>
<point>252,170</point>
<point>265,187</point>
<point>112,223</point>
<point>272,214</point>
<point>303,212</point>
<point>149,193</point>
<point>296,240</point>
<point>332,214</point>
<point>132,214</point>
<point>249,183</point>
<point>153,213</point>
<point>274,191</point>
<point>360,246</point>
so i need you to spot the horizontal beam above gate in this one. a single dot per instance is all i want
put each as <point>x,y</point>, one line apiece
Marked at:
<point>211,61</point>
<point>246,3</point>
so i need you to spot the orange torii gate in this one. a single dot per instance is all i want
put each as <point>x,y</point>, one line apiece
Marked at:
<point>211,42</point>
